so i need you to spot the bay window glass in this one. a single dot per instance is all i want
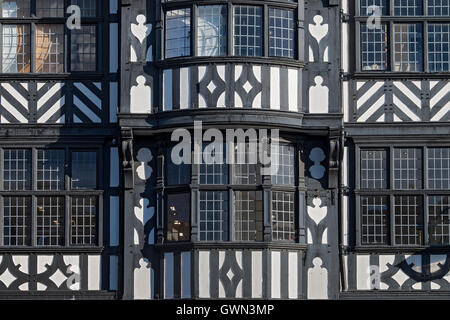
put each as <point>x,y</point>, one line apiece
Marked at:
<point>84,170</point>
<point>50,221</point>
<point>178,33</point>
<point>178,217</point>
<point>177,173</point>
<point>247,31</point>
<point>17,221</point>
<point>408,7</point>
<point>17,169</point>
<point>49,8</point>
<point>368,7</point>
<point>83,54</point>
<point>374,220</point>
<point>281,33</point>
<point>84,220</point>
<point>439,47</point>
<point>438,7</point>
<point>374,47</point>
<point>50,48</point>
<point>285,174</point>
<point>283,216</point>
<point>88,7</point>
<point>16,55</point>
<point>408,47</point>
<point>15,9</point>
<point>214,173</point>
<point>213,216</point>
<point>248,216</point>
<point>212,30</point>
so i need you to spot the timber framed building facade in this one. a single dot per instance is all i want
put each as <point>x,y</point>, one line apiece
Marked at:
<point>92,206</point>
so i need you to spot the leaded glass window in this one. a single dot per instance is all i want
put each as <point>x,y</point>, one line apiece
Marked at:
<point>212,30</point>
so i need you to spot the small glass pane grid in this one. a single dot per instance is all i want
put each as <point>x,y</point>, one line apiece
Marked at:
<point>177,173</point>
<point>178,217</point>
<point>50,170</point>
<point>283,218</point>
<point>16,55</point>
<point>247,31</point>
<point>83,55</point>
<point>88,7</point>
<point>178,33</point>
<point>439,220</point>
<point>281,33</point>
<point>408,47</point>
<point>17,169</point>
<point>84,170</point>
<point>439,47</point>
<point>374,47</point>
<point>368,7</point>
<point>244,171</point>
<point>84,220</point>
<point>215,173</point>
<point>439,168</point>
<point>373,169</point>
<point>285,174</point>
<point>212,30</point>
<point>438,7</point>
<point>213,216</point>
<point>408,7</point>
<point>49,8</point>
<point>374,220</point>
<point>408,168</point>
<point>408,220</point>
<point>16,9</point>
<point>17,221</point>
<point>50,48</point>
<point>50,221</point>
<point>248,216</point>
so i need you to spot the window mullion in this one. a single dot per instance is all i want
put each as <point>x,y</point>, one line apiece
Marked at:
<point>265,40</point>
<point>67,200</point>
<point>194,15</point>
<point>230,29</point>
<point>391,198</point>
<point>425,197</point>
<point>391,55</point>
<point>426,67</point>
<point>33,47</point>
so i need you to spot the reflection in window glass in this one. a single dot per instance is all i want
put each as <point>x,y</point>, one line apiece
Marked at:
<point>408,220</point>
<point>50,48</point>
<point>247,31</point>
<point>177,173</point>
<point>369,7</point>
<point>281,33</point>
<point>88,7</point>
<point>50,221</point>
<point>374,220</point>
<point>49,8</point>
<point>214,173</point>
<point>439,47</point>
<point>213,216</point>
<point>283,217</point>
<point>178,217</point>
<point>285,171</point>
<point>84,170</point>
<point>50,170</point>
<point>407,47</point>
<point>408,7</point>
<point>248,216</point>
<point>439,7</point>
<point>178,35</point>
<point>246,171</point>
<point>16,55</point>
<point>212,30</point>
<point>15,8</point>
<point>374,48</point>
<point>83,55</point>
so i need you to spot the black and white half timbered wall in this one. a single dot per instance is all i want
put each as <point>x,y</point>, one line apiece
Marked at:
<point>396,99</point>
<point>226,231</point>
<point>60,190</point>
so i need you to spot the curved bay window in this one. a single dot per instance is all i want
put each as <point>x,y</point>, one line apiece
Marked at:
<point>32,44</point>
<point>403,35</point>
<point>231,198</point>
<point>231,28</point>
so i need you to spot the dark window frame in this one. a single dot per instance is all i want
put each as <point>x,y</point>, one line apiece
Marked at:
<point>67,193</point>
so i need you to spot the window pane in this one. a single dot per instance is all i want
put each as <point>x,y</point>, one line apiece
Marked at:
<point>439,7</point>
<point>373,169</point>
<point>281,33</point>
<point>285,173</point>
<point>50,48</point>
<point>439,168</point>
<point>408,47</point>
<point>84,220</point>
<point>49,8</point>
<point>50,221</point>
<point>16,57</point>
<point>374,47</point>
<point>16,8</point>
<point>50,170</point>
<point>247,31</point>
<point>439,47</point>
<point>245,171</point>
<point>369,7</point>
<point>177,174</point>
<point>213,216</point>
<point>214,173</point>
<point>408,7</point>
<point>84,49</point>
<point>212,30</point>
<point>178,217</point>
<point>374,220</point>
<point>408,220</point>
<point>88,7</point>
<point>17,221</point>
<point>283,218</point>
<point>178,33</point>
<point>439,219</point>
<point>84,170</point>
<point>248,216</point>
<point>17,169</point>
<point>408,168</point>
